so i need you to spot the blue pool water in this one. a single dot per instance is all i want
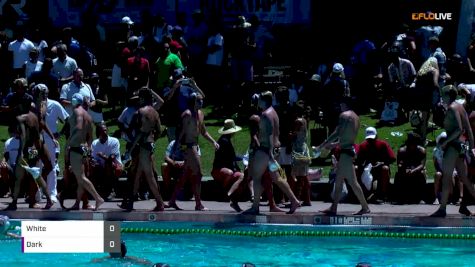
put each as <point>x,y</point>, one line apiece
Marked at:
<point>230,250</point>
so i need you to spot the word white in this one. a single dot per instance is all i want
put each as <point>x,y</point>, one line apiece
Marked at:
<point>34,228</point>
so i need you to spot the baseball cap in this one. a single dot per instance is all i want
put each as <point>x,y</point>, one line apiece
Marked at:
<point>77,99</point>
<point>316,78</point>
<point>338,68</point>
<point>442,135</point>
<point>127,20</point>
<point>177,73</point>
<point>41,88</point>
<point>370,133</point>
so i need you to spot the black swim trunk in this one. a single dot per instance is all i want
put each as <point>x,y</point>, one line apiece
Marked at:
<point>81,150</point>
<point>348,151</point>
<point>264,149</point>
<point>460,146</point>
<point>149,146</point>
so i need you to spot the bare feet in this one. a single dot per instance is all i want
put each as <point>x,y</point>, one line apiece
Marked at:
<point>251,211</point>
<point>99,202</point>
<point>201,208</point>
<point>235,206</point>
<point>439,213</point>
<point>329,212</point>
<point>173,205</point>
<point>34,206</point>
<point>465,211</point>
<point>88,207</point>
<point>275,209</point>
<point>362,211</point>
<point>293,207</point>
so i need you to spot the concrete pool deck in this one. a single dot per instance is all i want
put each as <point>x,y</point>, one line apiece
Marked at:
<point>381,214</point>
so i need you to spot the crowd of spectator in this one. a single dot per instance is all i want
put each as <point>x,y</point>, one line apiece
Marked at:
<point>401,79</point>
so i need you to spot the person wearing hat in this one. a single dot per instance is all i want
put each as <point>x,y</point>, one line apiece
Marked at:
<point>50,112</point>
<point>263,158</point>
<point>410,179</point>
<point>379,153</point>
<point>127,25</point>
<point>337,90</point>
<point>192,126</point>
<point>123,258</point>
<point>5,227</point>
<point>78,149</point>
<point>456,151</point>
<point>225,168</point>
<point>148,129</point>
<point>33,150</point>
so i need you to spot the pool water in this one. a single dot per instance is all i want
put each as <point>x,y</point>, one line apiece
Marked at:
<point>230,250</point>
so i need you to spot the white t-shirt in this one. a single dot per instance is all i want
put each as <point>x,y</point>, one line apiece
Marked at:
<point>126,118</point>
<point>471,89</point>
<point>41,46</point>
<point>64,69</point>
<point>31,67</point>
<point>12,145</point>
<point>117,80</point>
<point>55,112</point>
<point>21,52</point>
<point>110,147</point>
<point>69,89</point>
<point>215,58</point>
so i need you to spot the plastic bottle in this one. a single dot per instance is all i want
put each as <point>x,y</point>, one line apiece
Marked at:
<point>316,152</point>
<point>273,166</point>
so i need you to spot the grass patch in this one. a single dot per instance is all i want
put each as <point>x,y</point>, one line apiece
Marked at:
<point>241,141</point>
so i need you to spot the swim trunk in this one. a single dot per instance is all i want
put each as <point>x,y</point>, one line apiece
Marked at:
<point>81,150</point>
<point>149,146</point>
<point>264,149</point>
<point>461,147</point>
<point>348,151</point>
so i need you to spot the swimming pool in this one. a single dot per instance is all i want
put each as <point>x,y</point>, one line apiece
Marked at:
<point>192,244</point>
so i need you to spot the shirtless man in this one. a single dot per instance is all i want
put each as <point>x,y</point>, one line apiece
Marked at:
<point>192,126</point>
<point>456,123</point>
<point>32,147</point>
<point>264,158</point>
<point>79,145</point>
<point>149,130</point>
<point>345,134</point>
<point>266,179</point>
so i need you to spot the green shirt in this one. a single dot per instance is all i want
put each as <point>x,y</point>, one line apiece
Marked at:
<point>165,68</point>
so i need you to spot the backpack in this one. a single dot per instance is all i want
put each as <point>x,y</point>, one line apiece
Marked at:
<point>390,111</point>
<point>415,118</point>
